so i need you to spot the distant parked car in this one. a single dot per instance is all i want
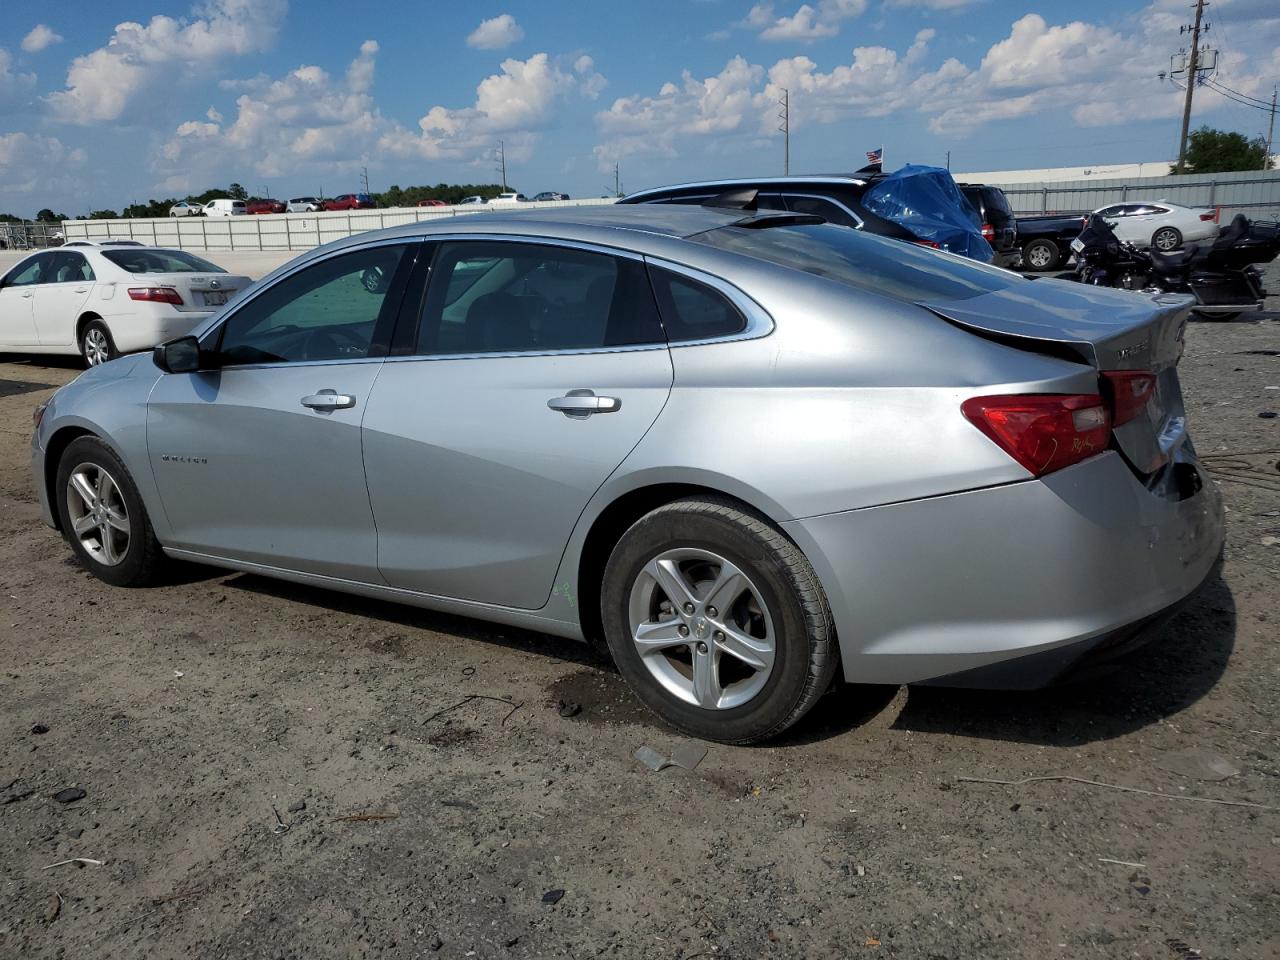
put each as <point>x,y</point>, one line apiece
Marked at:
<point>185,208</point>
<point>1163,225</point>
<point>549,195</point>
<point>999,226</point>
<point>432,203</point>
<point>223,207</point>
<point>101,301</point>
<point>304,205</point>
<point>508,198</point>
<point>104,243</point>
<point>350,201</point>
<point>264,205</point>
<point>466,201</point>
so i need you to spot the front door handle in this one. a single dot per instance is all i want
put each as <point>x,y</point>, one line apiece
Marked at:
<point>82,289</point>
<point>28,295</point>
<point>327,400</point>
<point>581,404</point>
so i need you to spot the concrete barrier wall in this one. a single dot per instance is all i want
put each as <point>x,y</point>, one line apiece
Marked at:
<point>281,231</point>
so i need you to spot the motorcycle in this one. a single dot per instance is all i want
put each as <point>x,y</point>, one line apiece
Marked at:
<point>1222,274</point>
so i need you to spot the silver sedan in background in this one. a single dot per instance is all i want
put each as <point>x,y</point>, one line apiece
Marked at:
<point>755,453</point>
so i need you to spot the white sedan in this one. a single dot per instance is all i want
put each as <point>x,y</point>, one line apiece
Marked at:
<point>101,302</point>
<point>1160,224</point>
<point>185,208</point>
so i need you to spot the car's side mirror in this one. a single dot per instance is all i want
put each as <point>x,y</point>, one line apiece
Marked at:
<point>178,356</point>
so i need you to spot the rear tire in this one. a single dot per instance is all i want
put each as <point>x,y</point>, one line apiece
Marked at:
<point>102,516</point>
<point>96,345</point>
<point>738,673</point>
<point>1041,255</point>
<point>1166,239</point>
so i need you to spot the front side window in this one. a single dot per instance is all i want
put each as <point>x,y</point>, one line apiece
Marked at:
<point>512,297</point>
<point>328,311</point>
<point>39,269</point>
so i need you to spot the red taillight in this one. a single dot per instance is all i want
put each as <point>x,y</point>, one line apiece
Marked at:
<point>988,232</point>
<point>156,295</point>
<point>1207,217</point>
<point>1043,432</point>
<point>1129,391</point>
<point>927,243</point>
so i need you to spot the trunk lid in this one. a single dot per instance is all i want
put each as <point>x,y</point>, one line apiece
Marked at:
<point>200,292</point>
<point>1112,330</point>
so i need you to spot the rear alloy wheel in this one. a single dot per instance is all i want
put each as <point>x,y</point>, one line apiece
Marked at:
<point>102,515</point>
<point>96,345</point>
<point>717,621</point>
<point>1041,254</point>
<point>1166,239</point>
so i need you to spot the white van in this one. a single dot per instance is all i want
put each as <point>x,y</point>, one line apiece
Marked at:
<point>223,207</point>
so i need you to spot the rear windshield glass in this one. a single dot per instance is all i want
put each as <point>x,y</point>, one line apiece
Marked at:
<point>996,200</point>
<point>160,261</point>
<point>893,268</point>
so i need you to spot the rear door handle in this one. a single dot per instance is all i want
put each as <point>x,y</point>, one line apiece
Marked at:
<point>327,400</point>
<point>583,403</point>
<point>28,295</point>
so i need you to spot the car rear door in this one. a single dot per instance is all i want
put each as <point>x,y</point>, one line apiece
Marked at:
<point>58,301</point>
<point>531,372</point>
<point>258,457</point>
<point>17,294</point>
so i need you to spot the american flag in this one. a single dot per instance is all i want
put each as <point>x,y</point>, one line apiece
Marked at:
<point>876,155</point>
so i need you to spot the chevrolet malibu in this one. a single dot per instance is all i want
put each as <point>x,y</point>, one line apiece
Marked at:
<point>107,298</point>
<point>755,453</point>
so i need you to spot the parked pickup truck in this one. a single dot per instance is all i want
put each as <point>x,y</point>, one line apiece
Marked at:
<point>1046,241</point>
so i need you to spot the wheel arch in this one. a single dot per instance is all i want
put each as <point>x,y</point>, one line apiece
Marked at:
<point>57,445</point>
<point>612,521</point>
<point>83,321</point>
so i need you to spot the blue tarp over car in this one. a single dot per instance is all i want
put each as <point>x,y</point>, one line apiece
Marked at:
<point>927,202</point>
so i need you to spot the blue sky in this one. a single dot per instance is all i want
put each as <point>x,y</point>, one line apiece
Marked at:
<point>102,104</point>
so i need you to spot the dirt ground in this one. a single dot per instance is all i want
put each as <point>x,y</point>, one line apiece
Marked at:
<point>200,717</point>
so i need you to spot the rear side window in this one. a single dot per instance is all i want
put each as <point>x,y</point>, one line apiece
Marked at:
<point>692,310</point>
<point>877,264</point>
<point>160,261</point>
<point>828,210</point>
<point>996,200</point>
<point>511,297</point>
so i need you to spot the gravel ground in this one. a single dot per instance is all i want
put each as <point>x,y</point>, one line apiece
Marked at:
<point>275,771</point>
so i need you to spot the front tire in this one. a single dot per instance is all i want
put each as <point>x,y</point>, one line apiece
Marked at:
<point>102,515</point>
<point>1041,255</point>
<point>1166,239</point>
<point>717,621</point>
<point>96,345</point>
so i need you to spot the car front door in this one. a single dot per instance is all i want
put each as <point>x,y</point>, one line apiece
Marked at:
<point>534,370</point>
<point>57,302</point>
<point>258,458</point>
<point>17,296</point>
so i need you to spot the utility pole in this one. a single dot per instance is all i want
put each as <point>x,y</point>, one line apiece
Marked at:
<point>365,175</point>
<point>1192,66</point>
<point>1271,129</point>
<point>785,128</point>
<point>502,164</point>
<point>948,160</point>
<point>617,180</point>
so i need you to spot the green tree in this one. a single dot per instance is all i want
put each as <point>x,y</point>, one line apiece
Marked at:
<point>104,215</point>
<point>1222,151</point>
<point>48,216</point>
<point>237,192</point>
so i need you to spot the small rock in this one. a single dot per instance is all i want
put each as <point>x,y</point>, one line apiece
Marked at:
<point>297,806</point>
<point>861,870</point>
<point>76,834</point>
<point>39,728</point>
<point>568,708</point>
<point>552,896</point>
<point>512,942</point>
<point>1143,889</point>
<point>1266,542</point>
<point>53,909</point>
<point>69,795</point>
<point>436,943</point>
<point>1267,415</point>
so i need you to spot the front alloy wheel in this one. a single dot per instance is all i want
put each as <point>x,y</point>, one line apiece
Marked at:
<point>98,514</point>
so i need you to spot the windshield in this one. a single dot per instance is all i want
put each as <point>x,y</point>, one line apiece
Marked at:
<point>160,261</point>
<point>880,265</point>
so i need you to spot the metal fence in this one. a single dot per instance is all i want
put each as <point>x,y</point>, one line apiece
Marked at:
<point>283,231</point>
<point>30,235</point>
<point>1253,194</point>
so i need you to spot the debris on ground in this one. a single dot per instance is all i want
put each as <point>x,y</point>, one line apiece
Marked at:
<point>687,755</point>
<point>53,909</point>
<point>69,795</point>
<point>568,708</point>
<point>364,817</point>
<point>39,728</point>
<point>1198,765</point>
<point>297,806</point>
<point>83,861</point>
<point>552,896</point>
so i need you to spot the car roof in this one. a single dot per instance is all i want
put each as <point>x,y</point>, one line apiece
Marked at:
<point>842,179</point>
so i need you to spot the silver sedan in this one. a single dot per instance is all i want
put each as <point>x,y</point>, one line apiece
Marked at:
<point>755,454</point>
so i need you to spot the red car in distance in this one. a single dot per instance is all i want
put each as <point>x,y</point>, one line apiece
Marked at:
<point>264,205</point>
<point>350,201</point>
<point>432,203</point>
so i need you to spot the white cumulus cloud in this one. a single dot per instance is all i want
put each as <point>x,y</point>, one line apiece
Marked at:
<point>39,38</point>
<point>496,33</point>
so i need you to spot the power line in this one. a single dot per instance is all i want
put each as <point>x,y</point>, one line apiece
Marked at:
<point>1223,88</point>
<point>1229,94</point>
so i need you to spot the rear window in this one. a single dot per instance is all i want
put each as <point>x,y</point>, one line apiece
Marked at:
<point>693,311</point>
<point>892,268</point>
<point>996,200</point>
<point>237,203</point>
<point>160,261</point>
